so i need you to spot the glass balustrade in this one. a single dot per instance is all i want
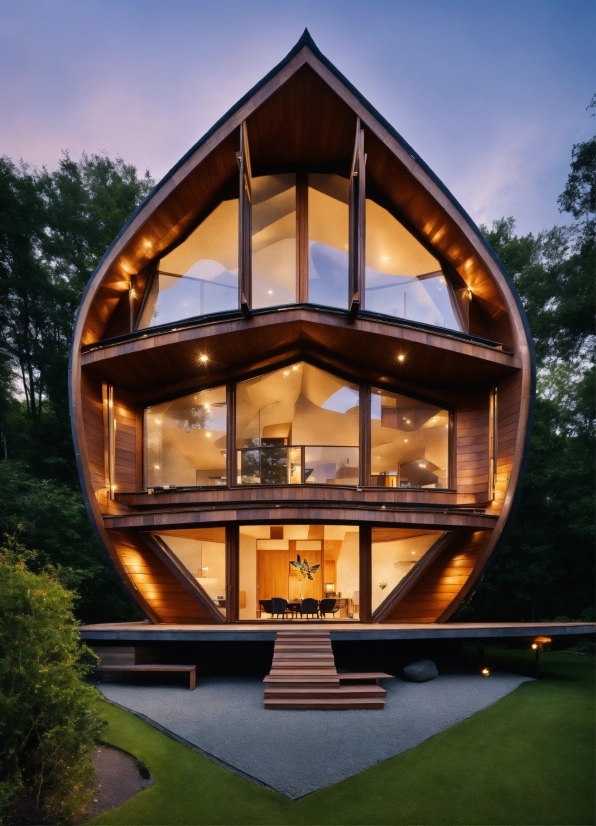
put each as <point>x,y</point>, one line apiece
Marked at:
<point>298,465</point>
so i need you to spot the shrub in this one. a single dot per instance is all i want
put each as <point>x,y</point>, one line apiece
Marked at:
<point>48,725</point>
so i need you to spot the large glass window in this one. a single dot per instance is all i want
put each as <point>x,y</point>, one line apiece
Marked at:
<point>185,440</point>
<point>203,553</point>
<point>297,425</point>
<point>273,228</point>
<point>402,278</point>
<point>297,562</point>
<point>328,221</point>
<point>409,442</point>
<point>200,275</point>
<point>395,552</point>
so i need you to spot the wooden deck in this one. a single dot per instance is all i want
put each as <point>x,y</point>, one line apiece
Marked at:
<point>266,631</point>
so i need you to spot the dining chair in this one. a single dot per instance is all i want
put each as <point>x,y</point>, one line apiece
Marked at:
<point>309,607</point>
<point>279,606</point>
<point>328,606</point>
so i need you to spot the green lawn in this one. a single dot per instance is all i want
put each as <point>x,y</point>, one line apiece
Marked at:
<point>528,759</point>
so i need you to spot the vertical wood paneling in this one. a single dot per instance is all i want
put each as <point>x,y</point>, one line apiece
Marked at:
<point>472,446</point>
<point>127,448</point>
<point>509,395</point>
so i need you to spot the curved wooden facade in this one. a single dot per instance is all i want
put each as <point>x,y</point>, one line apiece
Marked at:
<point>474,372</point>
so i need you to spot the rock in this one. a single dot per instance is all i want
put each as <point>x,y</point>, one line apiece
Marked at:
<point>420,671</point>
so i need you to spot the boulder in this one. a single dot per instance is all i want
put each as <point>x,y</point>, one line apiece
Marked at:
<point>420,671</point>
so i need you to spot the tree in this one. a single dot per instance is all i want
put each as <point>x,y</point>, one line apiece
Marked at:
<point>54,228</point>
<point>54,523</point>
<point>47,723</point>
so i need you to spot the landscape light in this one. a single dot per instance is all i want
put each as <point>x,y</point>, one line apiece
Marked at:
<point>485,672</point>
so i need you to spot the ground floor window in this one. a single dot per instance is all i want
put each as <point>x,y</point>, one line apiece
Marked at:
<point>202,552</point>
<point>299,572</point>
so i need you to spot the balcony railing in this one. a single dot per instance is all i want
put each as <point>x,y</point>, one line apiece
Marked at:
<point>298,465</point>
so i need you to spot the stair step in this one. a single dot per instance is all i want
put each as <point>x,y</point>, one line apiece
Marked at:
<point>357,691</point>
<point>324,705</point>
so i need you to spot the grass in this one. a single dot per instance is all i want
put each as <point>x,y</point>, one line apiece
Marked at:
<point>527,759</point>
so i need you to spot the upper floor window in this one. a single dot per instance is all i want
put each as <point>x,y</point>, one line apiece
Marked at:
<point>293,426</point>
<point>328,256</point>
<point>402,278</point>
<point>185,440</point>
<point>302,236</point>
<point>409,442</point>
<point>297,425</point>
<point>273,243</point>
<point>200,275</point>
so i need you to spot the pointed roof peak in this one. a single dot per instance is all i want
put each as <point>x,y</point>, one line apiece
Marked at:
<point>306,40</point>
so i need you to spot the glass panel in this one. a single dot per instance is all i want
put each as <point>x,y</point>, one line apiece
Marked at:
<point>203,553</point>
<point>326,566</point>
<point>200,275</point>
<point>395,552</point>
<point>402,278</point>
<point>409,442</point>
<point>328,199</point>
<point>273,223</point>
<point>185,440</point>
<point>296,425</point>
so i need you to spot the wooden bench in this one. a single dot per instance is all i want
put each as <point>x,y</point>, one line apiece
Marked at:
<point>137,658</point>
<point>191,670</point>
<point>364,676</point>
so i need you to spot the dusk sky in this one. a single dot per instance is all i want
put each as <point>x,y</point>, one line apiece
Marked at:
<point>492,94</point>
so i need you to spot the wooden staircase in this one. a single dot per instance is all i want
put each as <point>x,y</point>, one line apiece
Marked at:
<point>303,676</point>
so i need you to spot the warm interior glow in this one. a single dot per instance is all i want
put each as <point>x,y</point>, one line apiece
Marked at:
<point>297,425</point>
<point>395,552</point>
<point>202,552</point>
<point>417,460</point>
<point>200,275</point>
<point>185,440</point>
<point>273,224</point>
<point>328,217</point>
<point>265,570</point>
<point>402,278</point>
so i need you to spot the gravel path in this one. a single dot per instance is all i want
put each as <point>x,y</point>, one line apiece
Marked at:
<point>297,752</point>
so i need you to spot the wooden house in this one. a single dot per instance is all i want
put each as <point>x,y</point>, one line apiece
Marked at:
<point>300,372</point>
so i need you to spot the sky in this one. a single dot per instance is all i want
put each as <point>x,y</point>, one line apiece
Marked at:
<point>492,94</point>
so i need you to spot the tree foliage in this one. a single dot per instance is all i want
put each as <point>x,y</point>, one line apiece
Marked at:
<point>47,723</point>
<point>54,522</point>
<point>54,228</point>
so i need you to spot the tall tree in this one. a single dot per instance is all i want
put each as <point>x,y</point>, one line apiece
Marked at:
<point>54,228</point>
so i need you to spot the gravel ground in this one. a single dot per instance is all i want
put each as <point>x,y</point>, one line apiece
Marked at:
<point>298,752</point>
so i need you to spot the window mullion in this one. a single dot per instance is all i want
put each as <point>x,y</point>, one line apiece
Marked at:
<point>302,237</point>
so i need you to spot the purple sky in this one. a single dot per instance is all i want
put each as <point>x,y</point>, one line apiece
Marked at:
<point>491,94</point>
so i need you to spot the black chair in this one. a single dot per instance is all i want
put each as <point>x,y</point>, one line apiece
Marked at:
<point>279,606</point>
<point>266,606</point>
<point>309,607</point>
<point>328,606</point>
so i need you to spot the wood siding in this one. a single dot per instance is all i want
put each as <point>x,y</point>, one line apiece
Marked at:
<point>472,446</point>
<point>441,584</point>
<point>167,599</point>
